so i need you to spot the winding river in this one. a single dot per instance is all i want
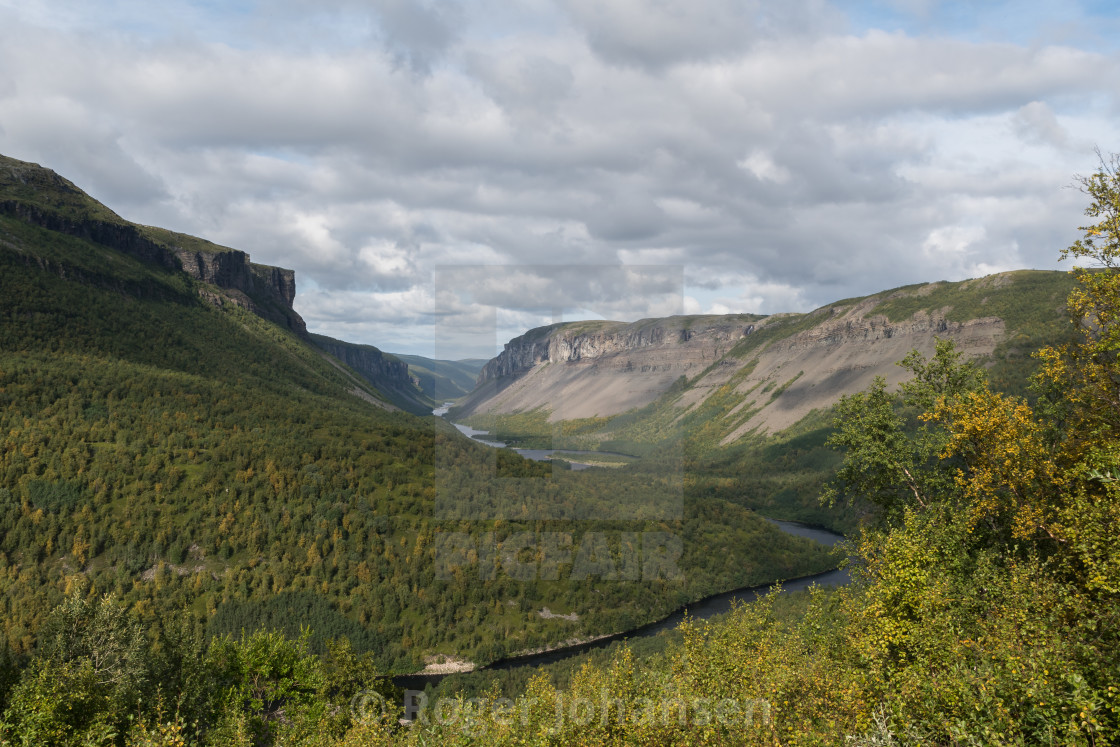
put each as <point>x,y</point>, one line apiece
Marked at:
<point>537,455</point>
<point>699,610</point>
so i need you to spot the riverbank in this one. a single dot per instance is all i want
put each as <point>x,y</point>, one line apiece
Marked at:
<point>701,609</point>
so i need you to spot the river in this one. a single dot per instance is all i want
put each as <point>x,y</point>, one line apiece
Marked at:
<point>537,455</point>
<point>699,610</point>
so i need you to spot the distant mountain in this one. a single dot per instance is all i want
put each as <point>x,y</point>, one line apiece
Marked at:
<point>444,380</point>
<point>737,375</point>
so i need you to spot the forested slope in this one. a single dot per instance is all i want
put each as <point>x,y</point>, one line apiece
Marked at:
<point>170,438</point>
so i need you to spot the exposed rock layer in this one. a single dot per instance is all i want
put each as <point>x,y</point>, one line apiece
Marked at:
<point>587,369</point>
<point>388,374</point>
<point>264,290</point>
<point>120,236</point>
<point>765,383</point>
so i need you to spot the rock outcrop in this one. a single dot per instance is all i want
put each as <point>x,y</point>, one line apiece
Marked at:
<point>40,197</point>
<point>388,374</point>
<point>587,369</point>
<point>265,290</point>
<point>752,373</point>
<point>843,353</point>
<point>697,337</point>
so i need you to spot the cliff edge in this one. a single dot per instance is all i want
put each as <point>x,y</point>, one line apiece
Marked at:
<point>40,197</point>
<point>386,372</point>
<point>743,374</point>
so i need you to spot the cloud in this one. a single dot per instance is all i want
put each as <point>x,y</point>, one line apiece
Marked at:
<point>658,34</point>
<point>783,155</point>
<point>763,167</point>
<point>418,32</point>
<point>1036,123</point>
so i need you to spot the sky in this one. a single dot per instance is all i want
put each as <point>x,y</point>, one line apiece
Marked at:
<point>444,174</point>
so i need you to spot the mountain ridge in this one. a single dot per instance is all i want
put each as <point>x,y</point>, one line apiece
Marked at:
<point>628,359</point>
<point>383,370</point>
<point>162,442</point>
<point>767,372</point>
<point>40,197</point>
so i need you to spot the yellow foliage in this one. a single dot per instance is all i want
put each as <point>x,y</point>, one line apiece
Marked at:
<point>1009,475</point>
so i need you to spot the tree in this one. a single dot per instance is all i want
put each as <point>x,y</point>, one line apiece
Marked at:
<point>1088,371</point>
<point>892,460</point>
<point>88,676</point>
<point>988,608</point>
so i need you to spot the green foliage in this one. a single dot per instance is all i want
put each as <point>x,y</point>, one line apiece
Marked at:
<point>887,463</point>
<point>88,674</point>
<point>259,679</point>
<point>984,612</point>
<point>227,478</point>
<point>53,496</point>
<point>229,475</point>
<point>292,613</point>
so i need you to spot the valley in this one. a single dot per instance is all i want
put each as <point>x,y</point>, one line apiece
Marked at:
<point>267,521</point>
<point>245,474</point>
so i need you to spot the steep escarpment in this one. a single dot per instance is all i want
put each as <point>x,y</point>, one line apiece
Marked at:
<point>777,384</point>
<point>387,373</point>
<point>735,375</point>
<point>39,197</point>
<point>264,290</point>
<point>120,236</point>
<point>589,369</point>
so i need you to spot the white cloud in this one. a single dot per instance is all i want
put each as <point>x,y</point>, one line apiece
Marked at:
<point>781,155</point>
<point>763,167</point>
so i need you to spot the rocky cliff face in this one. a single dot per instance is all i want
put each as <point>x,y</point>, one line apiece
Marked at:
<point>42,198</point>
<point>266,291</point>
<point>120,236</point>
<point>232,269</point>
<point>758,374</point>
<point>633,347</point>
<point>585,369</point>
<point>279,280</point>
<point>367,360</point>
<point>387,373</point>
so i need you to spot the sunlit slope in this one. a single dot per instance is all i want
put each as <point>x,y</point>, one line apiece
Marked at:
<point>727,377</point>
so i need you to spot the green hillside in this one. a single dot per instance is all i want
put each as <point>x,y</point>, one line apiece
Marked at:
<point>781,474</point>
<point>211,532</point>
<point>181,446</point>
